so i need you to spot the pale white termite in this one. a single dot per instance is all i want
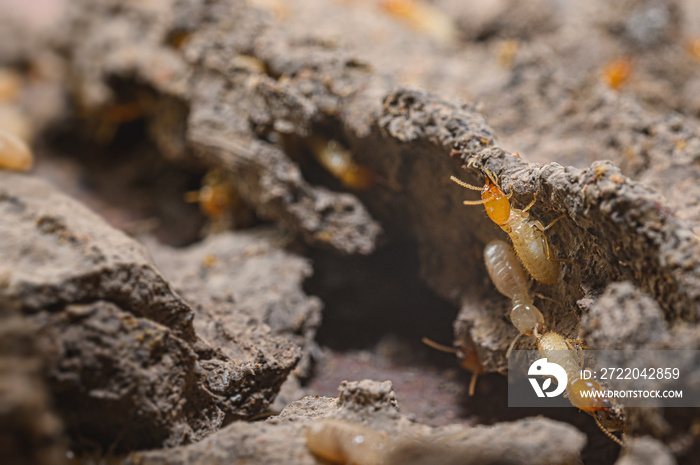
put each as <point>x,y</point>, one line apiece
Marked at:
<point>510,280</point>
<point>345,442</point>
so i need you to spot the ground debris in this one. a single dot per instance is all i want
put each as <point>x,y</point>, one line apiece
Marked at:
<point>57,252</point>
<point>281,439</point>
<point>249,304</point>
<point>108,369</point>
<point>30,431</point>
<point>117,338</point>
<point>236,85</point>
<point>645,450</point>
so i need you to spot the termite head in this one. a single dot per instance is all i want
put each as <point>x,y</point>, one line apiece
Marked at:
<point>217,195</point>
<point>611,418</point>
<point>608,416</point>
<point>468,356</point>
<point>493,198</point>
<point>496,203</point>
<point>585,402</point>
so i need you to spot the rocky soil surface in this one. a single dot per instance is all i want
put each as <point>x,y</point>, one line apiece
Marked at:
<point>317,139</point>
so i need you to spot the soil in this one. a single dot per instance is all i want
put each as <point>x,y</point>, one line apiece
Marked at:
<point>317,139</point>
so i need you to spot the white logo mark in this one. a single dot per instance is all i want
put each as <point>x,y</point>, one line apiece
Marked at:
<point>542,367</point>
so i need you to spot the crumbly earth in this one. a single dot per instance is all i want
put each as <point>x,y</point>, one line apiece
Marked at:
<point>119,342</point>
<point>281,439</point>
<point>249,87</point>
<point>30,430</point>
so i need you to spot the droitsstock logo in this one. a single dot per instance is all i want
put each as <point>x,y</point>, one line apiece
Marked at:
<point>542,367</point>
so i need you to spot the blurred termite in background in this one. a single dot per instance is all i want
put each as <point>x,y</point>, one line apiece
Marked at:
<point>338,161</point>
<point>14,154</point>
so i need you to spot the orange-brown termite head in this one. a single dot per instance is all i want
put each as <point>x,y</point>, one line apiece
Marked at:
<point>606,412</point>
<point>495,201</point>
<point>608,416</point>
<point>587,403</point>
<point>617,72</point>
<point>610,419</point>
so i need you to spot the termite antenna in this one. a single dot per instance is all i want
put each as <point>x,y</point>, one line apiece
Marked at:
<point>608,433</point>
<point>474,202</point>
<point>465,185</point>
<point>452,350</point>
<point>512,345</point>
<point>440,347</point>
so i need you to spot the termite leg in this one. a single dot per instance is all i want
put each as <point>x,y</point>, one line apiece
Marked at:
<point>552,223</point>
<point>547,250</point>
<point>579,342</point>
<point>570,343</point>
<point>544,297</point>
<point>440,347</point>
<point>472,383</point>
<point>452,350</point>
<point>529,205</point>
<point>512,344</point>
<point>538,224</point>
<point>510,191</point>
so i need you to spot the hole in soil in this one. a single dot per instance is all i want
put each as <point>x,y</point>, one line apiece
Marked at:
<point>127,181</point>
<point>367,299</point>
<point>376,311</point>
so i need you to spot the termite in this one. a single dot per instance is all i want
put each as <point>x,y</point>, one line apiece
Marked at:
<point>527,235</point>
<point>617,72</point>
<point>607,415</point>
<point>216,197</point>
<point>341,441</point>
<point>219,200</point>
<point>14,154</point>
<point>339,162</point>
<point>468,356</point>
<point>510,280</point>
<point>424,17</point>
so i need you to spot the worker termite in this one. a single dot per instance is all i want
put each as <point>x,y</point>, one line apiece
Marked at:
<point>617,72</point>
<point>527,235</point>
<point>468,357</point>
<point>510,280</point>
<point>424,17</point>
<point>608,416</point>
<point>215,196</point>
<point>341,441</point>
<point>220,202</point>
<point>339,162</point>
<point>14,154</point>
